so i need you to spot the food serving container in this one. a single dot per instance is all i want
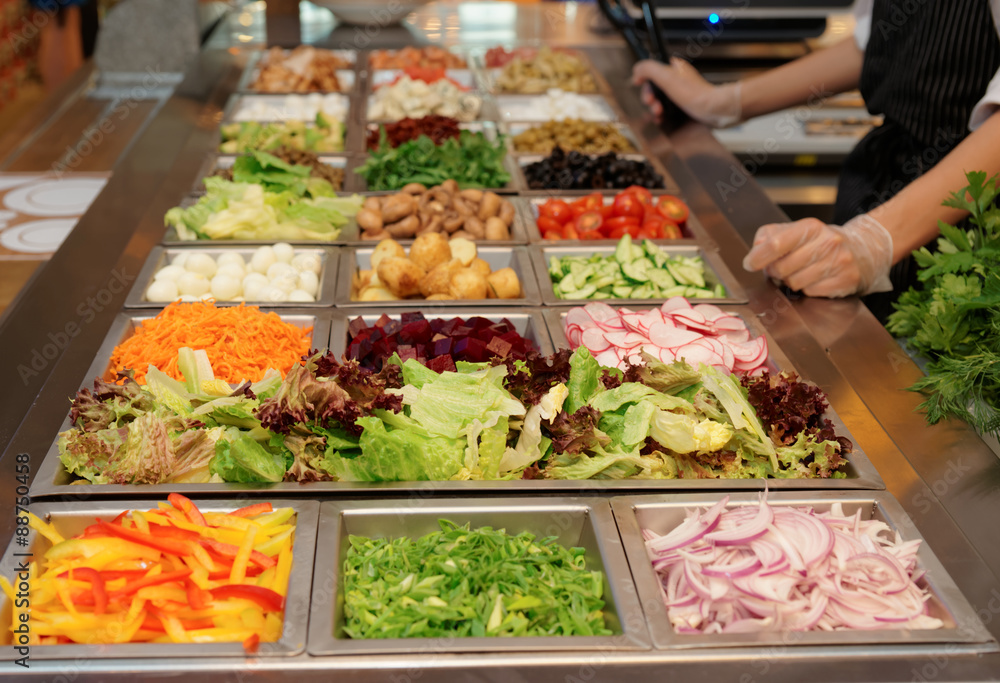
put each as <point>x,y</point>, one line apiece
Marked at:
<point>216,161</point>
<point>70,518</point>
<point>160,256</point>
<point>346,76</point>
<point>487,108</point>
<point>490,74</point>
<point>379,77</point>
<point>661,513</point>
<point>511,108</point>
<point>353,259</point>
<point>579,522</point>
<point>238,108</point>
<point>691,232</point>
<point>524,160</point>
<point>509,164</point>
<point>515,128</point>
<point>715,270</point>
<point>527,322</point>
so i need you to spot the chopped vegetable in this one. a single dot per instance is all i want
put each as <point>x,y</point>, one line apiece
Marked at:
<point>157,577</point>
<point>324,135</point>
<point>545,69</point>
<point>587,137</point>
<point>437,128</point>
<point>428,56</point>
<point>631,272</point>
<point>470,583</point>
<point>408,97</point>
<point>303,69</point>
<point>633,212</point>
<point>782,568</point>
<point>241,342</point>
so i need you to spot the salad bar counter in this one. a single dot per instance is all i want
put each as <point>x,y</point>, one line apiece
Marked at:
<point>398,377</point>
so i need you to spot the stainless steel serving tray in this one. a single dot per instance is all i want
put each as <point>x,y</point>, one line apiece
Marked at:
<point>487,108</point>
<point>523,160</point>
<point>379,77</point>
<point>691,233</point>
<point>217,160</point>
<point>347,76</point>
<point>512,107</point>
<point>71,518</point>
<point>510,165</point>
<point>527,321</point>
<point>582,522</point>
<point>353,259</point>
<point>515,128</point>
<point>161,256</point>
<point>715,270</point>
<point>661,513</point>
<point>238,102</point>
<point>490,74</point>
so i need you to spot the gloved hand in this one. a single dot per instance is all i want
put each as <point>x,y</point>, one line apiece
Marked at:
<point>825,260</point>
<point>717,106</point>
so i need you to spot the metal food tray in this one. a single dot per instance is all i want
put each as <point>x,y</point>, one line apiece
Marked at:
<point>355,258</point>
<point>487,110</point>
<point>490,74</point>
<point>715,270</point>
<point>690,232</point>
<point>218,160</point>
<point>346,76</point>
<point>581,522</point>
<point>232,112</point>
<point>505,101</point>
<point>515,184</point>
<point>71,518</point>
<point>460,51</point>
<point>528,323</point>
<point>160,256</point>
<point>379,77</point>
<point>661,513</point>
<point>172,239</point>
<point>513,129</point>
<point>523,160</point>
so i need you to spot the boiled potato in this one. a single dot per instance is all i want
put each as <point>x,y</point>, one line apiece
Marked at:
<point>440,297</point>
<point>430,250</point>
<point>376,294</point>
<point>468,284</point>
<point>505,284</point>
<point>481,267</point>
<point>401,276</point>
<point>438,281</point>
<point>463,249</point>
<point>386,249</point>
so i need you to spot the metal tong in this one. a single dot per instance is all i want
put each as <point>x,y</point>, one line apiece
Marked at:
<point>659,49</point>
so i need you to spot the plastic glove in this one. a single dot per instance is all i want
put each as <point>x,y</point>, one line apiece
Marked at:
<point>825,260</point>
<point>717,106</point>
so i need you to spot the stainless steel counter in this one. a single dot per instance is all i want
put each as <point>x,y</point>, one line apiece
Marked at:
<point>945,477</point>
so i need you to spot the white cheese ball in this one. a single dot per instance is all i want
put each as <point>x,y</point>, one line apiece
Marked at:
<point>193,284</point>
<point>162,290</point>
<point>225,288</point>
<point>201,263</point>
<point>273,295</point>
<point>286,282</point>
<point>303,262</point>
<point>283,251</point>
<point>231,258</point>
<point>232,270</point>
<point>262,259</point>
<point>253,285</point>
<point>279,269</point>
<point>309,282</point>
<point>170,273</point>
<point>179,260</point>
<point>300,296</point>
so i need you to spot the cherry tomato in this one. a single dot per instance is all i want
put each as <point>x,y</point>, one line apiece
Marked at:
<point>671,231</point>
<point>645,234</point>
<point>592,202</point>
<point>640,193</point>
<point>590,220</point>
<point>621,221</point>
<point>608,211</point>
<point>628,205</point>
<point>654,225</point>
<point>569,232</point>
<point>617,233</point>
<point>546,224</point>
<point>591,234</point>
<point>552,235</point>
<point>557,210</point>
<point>672,208</point>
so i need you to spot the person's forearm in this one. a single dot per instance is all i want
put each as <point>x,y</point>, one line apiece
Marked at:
<point>912,216</point>
<point>821,74</point>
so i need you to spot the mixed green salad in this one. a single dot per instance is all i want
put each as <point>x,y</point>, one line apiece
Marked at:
<point>547,417</point>
<point>326,134</point>
<point>268,199</point>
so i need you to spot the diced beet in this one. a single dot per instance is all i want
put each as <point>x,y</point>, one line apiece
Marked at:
<point>463,331</point>
<point>438,336</point>
<point>478,323</point>
<point>499,347</point>
<point>442,346</point>
<point>450,325</point>
<point>411,317</point>
<point>382,321</point>
<point>441,364</point>
<point>392,327</point>
<point>437,324</point>
<point>356,326</point>
<point>406,352</point>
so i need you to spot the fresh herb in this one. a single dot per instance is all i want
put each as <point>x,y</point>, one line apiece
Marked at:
<point>470,582</point>
<point>953,317</point>
<point>472,160</point>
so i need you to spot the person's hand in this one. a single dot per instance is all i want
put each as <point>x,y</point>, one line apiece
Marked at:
<point>714,105</point>
<point>825,260</point>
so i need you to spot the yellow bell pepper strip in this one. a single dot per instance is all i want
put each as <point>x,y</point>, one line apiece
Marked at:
<point>252,510</point>
<point>185,505</point>
<point>132,586</point>
<point>45,529</point>
<point>239,570</point>
<point>167,545</point>
<point>265,597</point>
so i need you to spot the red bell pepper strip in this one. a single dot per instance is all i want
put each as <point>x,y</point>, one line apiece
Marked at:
<point>173,532</point>
<point>184,504</point>
<point>228,550</point>
<point>132,586</point>
<point>252,510</point>
<point>166,545</point>
<point>121,516</point>
<point>251,644</point>
<point>197,597</point>
<point>264,597</point>
<point>223,574</point>
<point>96,586</point>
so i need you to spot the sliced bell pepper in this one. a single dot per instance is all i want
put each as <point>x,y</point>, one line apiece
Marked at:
<point>252,510</point>
<point>167,545</point>
<point>251,644</point>
<point>229,551</point>
<point>184,504</point>
<point>196,597</point>
<point>96,586</point>
<point>133,586</point>
<point>264,597</point>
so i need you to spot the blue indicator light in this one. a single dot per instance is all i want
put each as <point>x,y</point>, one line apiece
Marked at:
<point>713,18</point>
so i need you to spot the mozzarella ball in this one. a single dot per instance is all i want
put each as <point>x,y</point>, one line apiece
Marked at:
<point>300,296</point>
<point>232,270</point>
<point>179,260</point>
<point>194,284</point>
<point>303,262</point>
<point>279,269</point>
<point>286,282</point>
<point>170,273</point>
<point>162,290</point>
<point>271,294</point>
<point>229,258</point>
<point>283,251</point>
<point>201,263</point>
<point>224,287</point>
<point>308,282</point>
<point>262,259</point>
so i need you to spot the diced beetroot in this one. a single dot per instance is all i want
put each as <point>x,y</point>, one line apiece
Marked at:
<point>463,331</point>
<point>499,347</point>
<point>382,321</point>
<point>442,364</point>
<point>411,317</point>
<point>356,326</point>
<point>436,325</point>
<point>441,347</point>
<point>450,325</point>
<point>406,352</point>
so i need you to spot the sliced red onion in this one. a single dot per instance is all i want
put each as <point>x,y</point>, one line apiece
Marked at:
<point>753,529</point>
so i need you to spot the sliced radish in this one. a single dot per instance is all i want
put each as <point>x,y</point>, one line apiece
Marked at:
<point>736,336</point>
<point>674,304</point>
<point>667,356</point>
<point>600,311</point>
<point>709,311</point>
<point>579,317</point>
<point>672,337</point>
<point>594,340</point>
<point>608,359</point>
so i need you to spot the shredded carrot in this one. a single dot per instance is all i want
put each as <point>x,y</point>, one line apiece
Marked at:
<point>241,341</point>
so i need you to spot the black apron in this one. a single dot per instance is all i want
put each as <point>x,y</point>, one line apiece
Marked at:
<point>926,65</point>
